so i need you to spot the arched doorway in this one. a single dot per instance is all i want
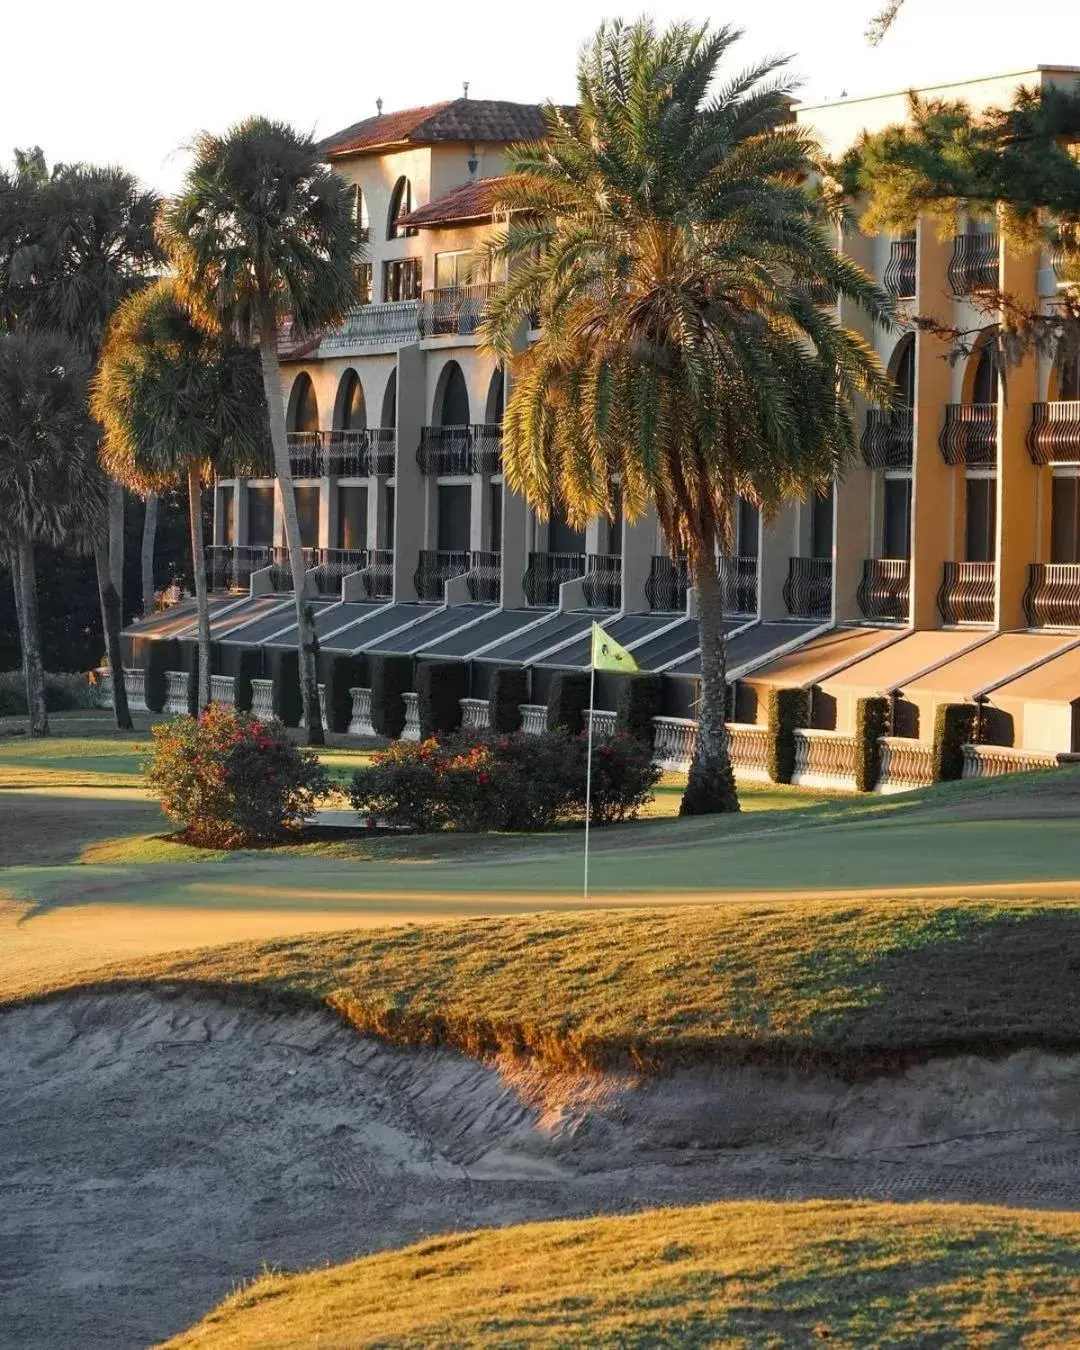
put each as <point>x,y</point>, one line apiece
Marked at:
<point>303,413</point>
<point>902,370</point>
<point>452,398</point>
<point>350,410</point>
<point>493,411</point>
<point>389,402</point>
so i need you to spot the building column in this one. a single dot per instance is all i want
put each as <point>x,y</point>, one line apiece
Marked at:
<point>779,543</point>
<point>638,545</point>
<point>853,492</point>
<point>328,513</point>
<point>409,503</point>
<point>515,548</point>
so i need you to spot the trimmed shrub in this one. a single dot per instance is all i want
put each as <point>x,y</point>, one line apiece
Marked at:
<point>871,719</point>
<point>232,780</point>
<point>160,657</point>
<point>63,693</point>
<point>248,668</point>
<point>286,702</point>
<point>509,690</point>
<point>568,701</point>
<point>440,685</point>
<point>340,673</point>
<point>640,699</point>
<point>953,728</point>
<point>788,709</point>
<point>623,776</point>
<point>391,676</point>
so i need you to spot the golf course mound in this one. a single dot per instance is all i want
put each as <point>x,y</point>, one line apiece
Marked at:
<point>161,1148</point>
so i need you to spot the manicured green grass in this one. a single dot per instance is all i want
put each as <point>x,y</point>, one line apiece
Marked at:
<point>851,1274</point>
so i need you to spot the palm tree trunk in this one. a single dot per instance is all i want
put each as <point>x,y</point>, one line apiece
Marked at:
<point>116,541</point>
<point>12,561</point>
<point>308,643</point>
<point>110,623</point>
<point>198,571</point>
<point>31,640</point>
<point>149,534</point>
<point>710,785</point>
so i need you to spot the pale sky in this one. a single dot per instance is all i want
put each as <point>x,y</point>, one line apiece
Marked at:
<point>129,84</point>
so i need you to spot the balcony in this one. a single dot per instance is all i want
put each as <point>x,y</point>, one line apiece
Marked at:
<point>377,577</point>
<point>229,566</point>
<point>485,577</point>
<point>899,276</point>
<point>1054,434</point>
<point>969,435</point>
<point>974,264</point>
<point>668,584</point>
<point>738,585</point>
<point>884,590</point>
<point>808,588</point>
<point>603,580</point>
<point>396,322</point>
<point>280,565</point>
<point>546,572</point>
<point>1052,598</point>
<point>359,454</point>
<point>435,568</point>
<point>456,310</point>
<point>332,565</point>
<point>966,594</point>
<point>461,449</point>
<point>305,454</point>
<point>888,439</point>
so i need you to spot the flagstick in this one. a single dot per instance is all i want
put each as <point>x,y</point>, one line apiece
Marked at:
<point>588,772</point>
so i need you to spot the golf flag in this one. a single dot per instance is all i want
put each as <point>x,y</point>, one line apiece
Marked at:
<point>607,654</point>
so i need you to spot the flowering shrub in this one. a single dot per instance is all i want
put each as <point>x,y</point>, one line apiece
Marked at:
<point>512,782</point>
<point>232,780</point>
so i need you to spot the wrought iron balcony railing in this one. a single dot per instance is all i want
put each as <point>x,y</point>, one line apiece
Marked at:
<point>808,588</point>
<point>461,449</point>
<point>738,583</point>
<point>305,454</point>
<point>397,321</point>
<point>485,577</point>
<point>546,572</point>
<point>1052,598</point>
<point>884,589</point>
<point>668,584</point>
<point>434,570</point>
<point>281,577</point>
<point>970,434</point>
<point>966,594</point>
<point>899,277</point>
<point>456,309</point>
<point>377,577</point>
<point>229,566</point>
<point>359,454</point>
<point>333,564</point>
<point>1054,434</point>
<point>603,580</point>
<point>974,263</point>
<point>888,439</point>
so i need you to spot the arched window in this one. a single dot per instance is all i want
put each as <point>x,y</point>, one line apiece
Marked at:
<point>903,369</point>
<point>360,213</point>
<point>389,403</point>
<point>493,412</point>
<point>452,397</point>
<point>303,414</point>
<point>984,387</point>
<point>350,411</point>
<point>400,205</point>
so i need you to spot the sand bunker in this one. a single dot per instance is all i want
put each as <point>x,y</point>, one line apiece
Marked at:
<point>157,1150</point>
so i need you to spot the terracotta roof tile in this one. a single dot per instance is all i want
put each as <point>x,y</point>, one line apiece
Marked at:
<point>471,202</point>
<point>463,119</point>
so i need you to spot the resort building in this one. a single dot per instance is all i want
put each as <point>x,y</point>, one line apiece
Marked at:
<point>943,568</point>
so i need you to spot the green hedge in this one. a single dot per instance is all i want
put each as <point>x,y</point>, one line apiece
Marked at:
<point>640,698</point>
<point>509,690</point>
<point>340,673</point>
<point>286,702</point>
<point>953,728</point>
<point>440,685</point>
<point>568,701</point>
<point>391,676</point>
<point>871,720</point>
<point>249,664</point>
<point>788,709</point>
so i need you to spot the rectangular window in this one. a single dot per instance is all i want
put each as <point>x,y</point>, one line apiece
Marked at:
<point>352,517</point>
<point>260,515</point>
<point>456,269</point>
<point>981,508</point>
<point>226,515</point>
<point>386,538</point>
<point>561,538</point>
<point>1064,510</point>
<point>402,279</point>
<point>896,536</point>
<point>821,526</point>
<point>363,283</point>
<point>495,509</point>
<point>455,509</point>
<point>307,508</point>
<point>746,542</point>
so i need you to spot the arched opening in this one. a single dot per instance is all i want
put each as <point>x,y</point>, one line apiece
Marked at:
<point>303,413</point>
<point>452,398</point>
<point>902,369</point>
<point>1067,377</point>
<point>360,213</point>
<point>350,410</point>
<point>389,402</point>
<point>401,204</point>
<point>984,383</point>
<point>493,411</point>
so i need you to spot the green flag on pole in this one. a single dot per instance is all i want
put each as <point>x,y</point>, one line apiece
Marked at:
<point>607,654</point>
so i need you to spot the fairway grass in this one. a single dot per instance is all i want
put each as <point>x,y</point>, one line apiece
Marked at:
<point>763,1274</point>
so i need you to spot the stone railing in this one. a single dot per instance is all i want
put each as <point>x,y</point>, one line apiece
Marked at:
<point>134,684</point>
<point>991,761</point>
<point>223,690</point>
<point>824,758</point>
<point>411,730</point>
<point>603,723</point>
<point>360,717</point>
<point>748,745</point>
<point>475,714</point>
<point>176,693</point>
<point>262,698</point>
<point>905,764</point>
<point>101,687</point>
<point>370,325</point>
<point>674,739</point>
<point>322,709</point>
<point>533,718</point>
<point>1053,595</point>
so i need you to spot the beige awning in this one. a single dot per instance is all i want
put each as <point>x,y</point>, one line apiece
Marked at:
<point>821,656</point>
<point>903,660</point>
<point>1054,681</point>
<point>986,665</point>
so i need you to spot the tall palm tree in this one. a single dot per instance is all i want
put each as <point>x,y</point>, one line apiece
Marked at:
<point>179,402</point>
<point>665,233</point>
<point>51,487</point>
<point>261,230</point>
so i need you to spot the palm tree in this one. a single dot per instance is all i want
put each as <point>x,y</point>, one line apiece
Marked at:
<point>261,230</point>
<point>177,402</point>
<point>668,240</point>
<point>51,487</point>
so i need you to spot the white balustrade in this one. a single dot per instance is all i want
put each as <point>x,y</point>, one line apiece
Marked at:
<point>603,723</point>
<point>360,720</point>
<point>262,699</point>
<point>824,758</point>
<point>991,761</point>
<point>748,746</point>
<point>176,693</point>
<point>102,685</point>
<point>905,764</point>
<point>223,690</point>
<point>412,717</point>
<point>533,718</point>
<point>475,714</point>
<point>135,686</point>
<point>322,709</point>
<point>674,739</point>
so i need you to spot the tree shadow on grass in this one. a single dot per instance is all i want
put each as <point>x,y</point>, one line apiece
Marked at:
<point>42,830</point>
